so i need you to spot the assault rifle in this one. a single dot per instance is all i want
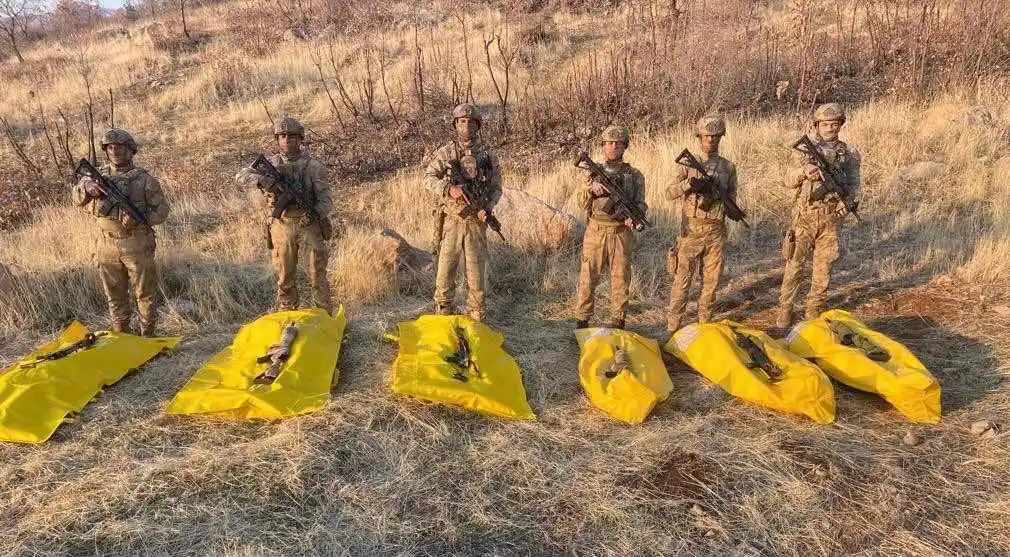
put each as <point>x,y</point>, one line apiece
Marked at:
<point>619,205</point>
<point>829,181</point>
<point>475,197</point>
<point>462,358</point>
<point>87,342</point>
<point>277,355</point>
<point>112,196</point>
<point>711,190</point>
<point>758,358</point>
<point>290,191</point>
<point>848,337</point>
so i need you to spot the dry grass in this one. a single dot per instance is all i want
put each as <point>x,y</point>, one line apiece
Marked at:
<point>372,473</point>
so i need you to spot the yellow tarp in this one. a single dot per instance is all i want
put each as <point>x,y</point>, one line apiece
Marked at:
<point>902,379</point>
<point>225,388</point>
<point>714,350</point>
<point>622,373</point>
<point>36,396</point>
<point>489,383</point>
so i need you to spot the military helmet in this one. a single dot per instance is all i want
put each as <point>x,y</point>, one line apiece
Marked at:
<point>289,126</point>
<point>828,112</point>
<point>116,136</point>
<point>711,125</point>
<point>616,133</point>
<point>466,110</point>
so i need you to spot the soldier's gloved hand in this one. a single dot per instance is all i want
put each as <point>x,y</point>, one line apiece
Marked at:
<point>698,185</point>
<point>812,172</point>
<point>841,210</point>
<point>597,189</point>
<point>629,223</point>
<point>482,215</point>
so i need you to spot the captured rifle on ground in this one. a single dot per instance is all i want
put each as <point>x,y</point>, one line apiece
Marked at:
<point>829,181</point>
<point>758,358</point>
<point>619,206</point>
<point>277,355</point>
<point>710,190</point>
<point>475,197</point>
<point>847,337</point>
<point>288,192</point>
<point>462,358</point>
<point>87,342</point>
<point>112,196</point>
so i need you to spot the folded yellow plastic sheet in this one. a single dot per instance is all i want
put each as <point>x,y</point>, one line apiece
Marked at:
<point>622,373</point>
<point>37,395</point>
<point>899,376</point>
<point>715,351</point>
<point>481,377</point>
<point>225,387</point>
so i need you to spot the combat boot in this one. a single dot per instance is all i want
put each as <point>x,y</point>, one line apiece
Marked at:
<point>147,327</point>
<point>582,324</point>
<point>812,312</point>
<point>616,324</point>
<point>122,327</point>
<point>443,309</point>
<point>477,316</point>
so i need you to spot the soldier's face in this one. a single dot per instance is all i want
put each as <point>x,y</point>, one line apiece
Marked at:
<point>466,128</point>
<point>289,144</point>
<point>119,154</point>
<point>709,143</point>
<point>613,150</point>
<point>828,129</point>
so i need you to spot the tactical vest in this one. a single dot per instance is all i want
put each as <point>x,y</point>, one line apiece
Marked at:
<point>838,157</point>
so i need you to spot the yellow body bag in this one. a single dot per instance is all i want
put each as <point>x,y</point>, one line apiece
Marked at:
<point>455,360</point>
<point>39,391</point>
<point>716,351</point>
<point>622,373</point>
<point>225,386</point>
<point>849,351</point>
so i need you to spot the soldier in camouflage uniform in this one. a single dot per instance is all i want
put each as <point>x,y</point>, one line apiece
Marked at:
<point>294,228</point>
<point>608,239</point>
<point>462,237</point>
<point>125,250</point>
<point>703,224</point>
<point>814,231</point>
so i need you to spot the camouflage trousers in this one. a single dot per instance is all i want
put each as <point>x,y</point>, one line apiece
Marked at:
<point>288,235</point>
<point>702,245</point>
<point>464,239</point>
<point>604,246</point>
<point>125,263</point>
<point>816,238</point>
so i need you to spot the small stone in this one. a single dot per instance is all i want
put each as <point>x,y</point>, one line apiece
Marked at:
<point>820,472</point>
<point>911,439</point>
<point>709,533</point>
<point>696,510</point>
<point>988,434</point>
<point>980,427</point>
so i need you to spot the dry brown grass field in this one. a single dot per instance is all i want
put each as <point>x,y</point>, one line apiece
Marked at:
<point>376,474</point>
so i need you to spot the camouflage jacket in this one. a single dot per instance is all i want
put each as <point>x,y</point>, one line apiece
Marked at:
<point>143,190</point>
<point>633,182</point>
<point>475,160</point>
<point>846,162</point>
<point>304,170</point>
<point>720,169</point>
